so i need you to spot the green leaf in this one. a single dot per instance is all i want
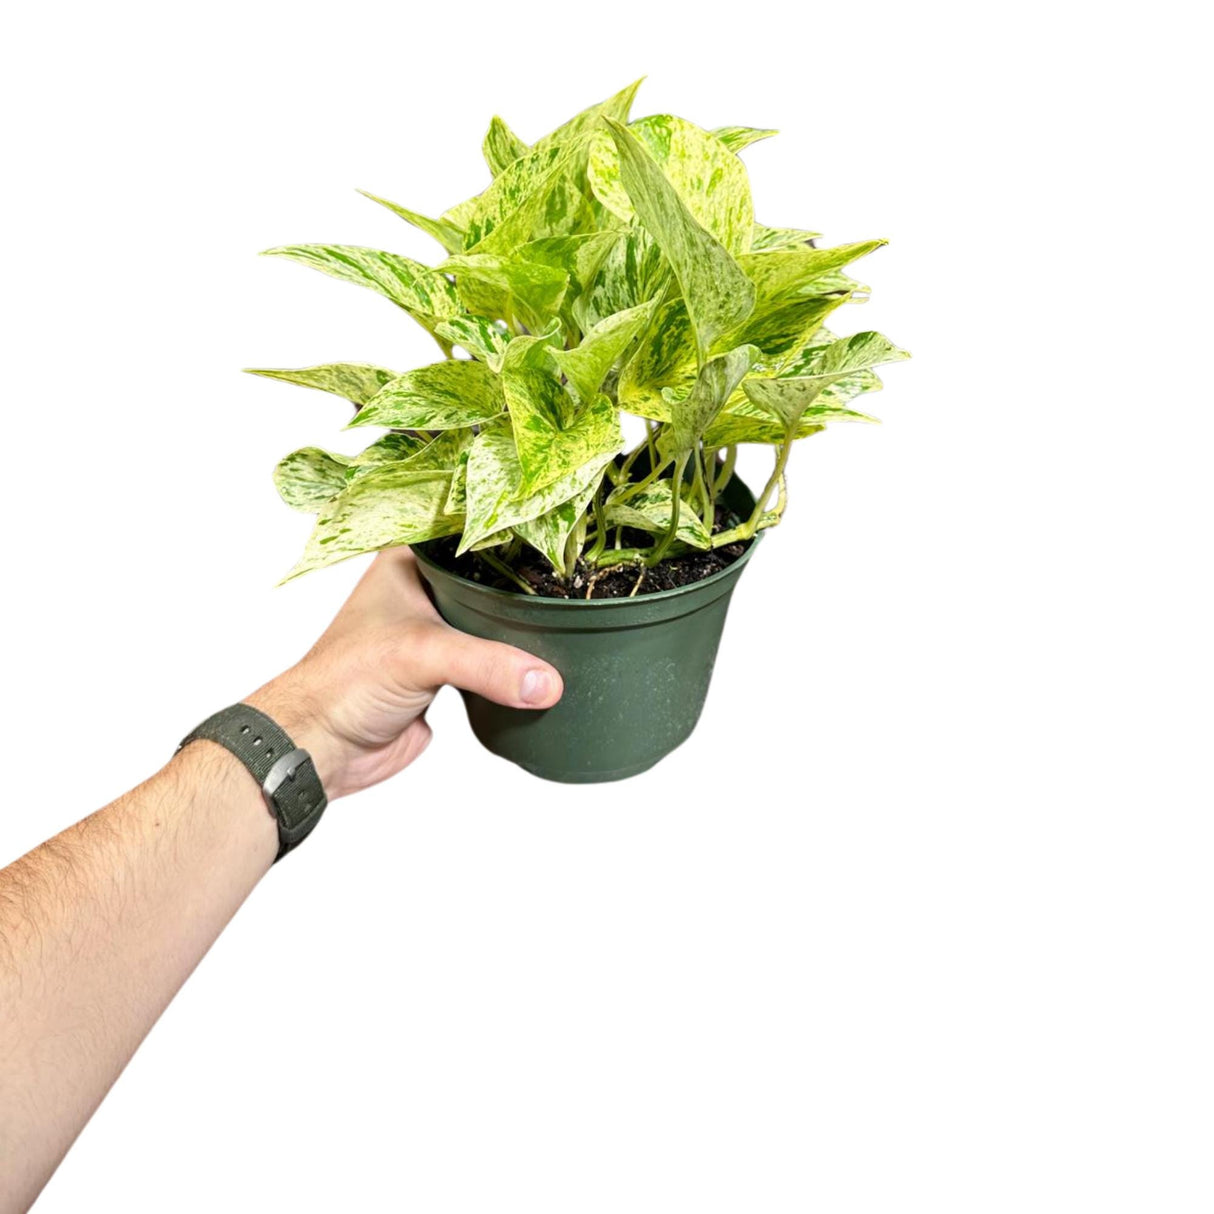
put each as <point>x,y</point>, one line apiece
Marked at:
<point>442,396</point>
<point>308,478</point>
<point>442,454</point>
<point>552,436</point>
<point>791,400</point>
<point>446,233</point>
<point>578,257</point>
<point>457,496</point>
<point>783,273</point>
<point>709,180</point>
<point>538,195</point>
<point>735,138</point>
<point>388,506</point>
<point>483,338</point>
<point>691,416</point>
<point>423,293</point>
<point>766,239</point>
<point>392,447</point>
<point>508,287</point>
<point>632,272</point>
<point>497,498</point>
<point>650,510</point>
<point>717,294</point>
<point>617,106</point>
<point>549,532</point>
<point>502,147</point>
<point>586,364</point>
<point>356,382</point>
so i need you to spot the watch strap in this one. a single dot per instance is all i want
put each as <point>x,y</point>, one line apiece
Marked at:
<point>289,782</point>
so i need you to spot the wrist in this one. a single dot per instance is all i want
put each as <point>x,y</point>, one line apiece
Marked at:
<point>287,702</point>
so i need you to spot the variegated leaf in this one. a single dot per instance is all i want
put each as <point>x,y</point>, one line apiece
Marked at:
<point>586,364</point>
<point>442,454</point>
<point>446,233</point>
<point>549,532</point>
<point>392,447</point>
<point>552,435</point>
<point>691,415</point>
<point>717,294</point>
<point>308,478</point>
<point>388,506</point>
<point>457,496</point>
<point>422,292</point>
<point>496,495</point>
<point>632,272</point>
<point>578,257</point>
<point>766,239</point>
<point>744,422</point>
<point>793,400</point>
<point>442,396</point>
<point>502,147</point>
<point>483,338</point>
<point>508,287</point>
<point>784,273</point>
<point>617,106</point>
<point>735,138</point>
<point>709,180</point>
<point>536,196</point>
<point>650,509</point>
<point>356,382</point>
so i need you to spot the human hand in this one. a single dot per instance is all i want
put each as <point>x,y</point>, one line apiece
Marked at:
<point>357,700</point>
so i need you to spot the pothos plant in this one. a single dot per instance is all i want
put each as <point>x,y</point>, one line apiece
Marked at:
<point>613,267</point>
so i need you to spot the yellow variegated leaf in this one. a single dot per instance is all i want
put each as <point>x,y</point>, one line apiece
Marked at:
<point>791,400</point>
<point>422,292</point>
<point>766,239</point>
<point>691,415</point>
<point>388,506</point>
<point>538,195</point>
<point>553,436</point>
<point>735,138</point>
<point>483,338</point>
<point>633,272</point>
<point>308,478</point>
<point>650,509</point>
<point>717,294</point>
<point>785,273</point>
<point>356,382</point>
<point>709,179</point>
<point>617,106</point>
<point>442,396</point>
<point>446,233</point>
<point>508,287</point>
<point>393,447</point>
<point>502,147</point>
<point>497,498</point>
<point>586,364</point>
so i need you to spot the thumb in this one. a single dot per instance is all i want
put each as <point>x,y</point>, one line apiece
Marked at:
<point>498,672</point>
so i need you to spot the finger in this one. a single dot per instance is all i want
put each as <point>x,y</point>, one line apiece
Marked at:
<point>498,672</point>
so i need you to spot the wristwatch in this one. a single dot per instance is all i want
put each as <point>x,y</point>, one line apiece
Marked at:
<point>292,790</point>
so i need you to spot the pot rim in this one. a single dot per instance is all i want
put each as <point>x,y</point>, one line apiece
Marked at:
<point>544,600</point>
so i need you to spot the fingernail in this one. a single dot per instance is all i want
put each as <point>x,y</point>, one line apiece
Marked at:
<point>535,687</point>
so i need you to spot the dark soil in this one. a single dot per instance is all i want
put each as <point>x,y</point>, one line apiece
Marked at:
<point>609,583</point>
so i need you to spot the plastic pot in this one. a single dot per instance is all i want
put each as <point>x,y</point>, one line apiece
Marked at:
<point>636,671</point>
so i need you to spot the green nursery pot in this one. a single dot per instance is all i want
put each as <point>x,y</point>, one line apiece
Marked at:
<point>636,671</point>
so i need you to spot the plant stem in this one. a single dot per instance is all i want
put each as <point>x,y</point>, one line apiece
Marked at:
<point>600,525</point>
<point>659,550</point>
<point>506,572</point>
<point>726,473</point>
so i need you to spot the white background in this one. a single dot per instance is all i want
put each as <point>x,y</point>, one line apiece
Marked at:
<point>920,918</point>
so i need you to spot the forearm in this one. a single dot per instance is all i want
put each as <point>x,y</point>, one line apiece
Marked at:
<point>99,927</point>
